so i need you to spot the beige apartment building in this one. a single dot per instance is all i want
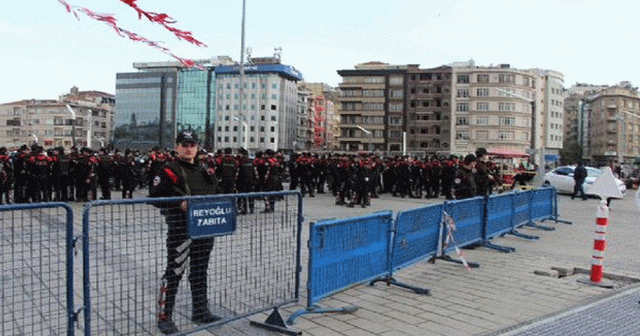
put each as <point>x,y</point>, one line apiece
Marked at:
<point>494,107</point>
<point>80,118</point>
<point>614,127</point>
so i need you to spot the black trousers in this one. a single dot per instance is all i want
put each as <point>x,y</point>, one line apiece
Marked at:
<point>180,250</point>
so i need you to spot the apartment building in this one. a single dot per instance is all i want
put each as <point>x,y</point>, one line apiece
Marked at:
<point>614,125</point>
<point>372,107</point>
<point>322,116</point>
<point>78,118</point>
<point>493,107</point>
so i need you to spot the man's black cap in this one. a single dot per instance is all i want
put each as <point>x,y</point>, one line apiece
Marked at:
<point>187,136</point>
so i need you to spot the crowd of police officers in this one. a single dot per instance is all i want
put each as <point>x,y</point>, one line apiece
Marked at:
<point>33,174</point>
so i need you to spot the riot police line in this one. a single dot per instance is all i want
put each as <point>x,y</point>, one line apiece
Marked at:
<point>33,174</point>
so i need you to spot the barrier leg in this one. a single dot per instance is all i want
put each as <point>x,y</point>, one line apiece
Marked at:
<point>275,323</point>
<point>522,235</point>
<point>391,281</point>
<point>318,310</point>
<point>457,261</point>
<point>505,249</point>
<point>541,227</point>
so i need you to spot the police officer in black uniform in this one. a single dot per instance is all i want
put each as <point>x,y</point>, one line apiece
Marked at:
<point>464,183</point>
<point>184,177</point>
<point>247,181</point>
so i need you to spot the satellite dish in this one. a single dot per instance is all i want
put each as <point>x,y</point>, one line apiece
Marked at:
<point>605,185</point>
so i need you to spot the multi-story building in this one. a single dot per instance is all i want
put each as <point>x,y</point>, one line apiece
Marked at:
<point>322,116</point>
<point>493,107</point>
<point>164,98</point>
<point>552,115</point>
<point>428,117</point>
<point>577,108</point>
<point>372,107</point>
<point>304,114</point>
<point>79,118</point>
<point>269,105</point>
<point>614,125</point>
<point>451,109</point>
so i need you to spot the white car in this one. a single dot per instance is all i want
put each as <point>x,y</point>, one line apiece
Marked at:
<point>561,178</point>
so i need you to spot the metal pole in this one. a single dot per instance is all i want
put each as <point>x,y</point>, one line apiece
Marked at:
<point>73,126</point>
<point>240,114</point>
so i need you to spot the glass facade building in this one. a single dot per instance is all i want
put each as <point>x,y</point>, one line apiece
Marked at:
<point>195,104</point>
<point>145,109</point>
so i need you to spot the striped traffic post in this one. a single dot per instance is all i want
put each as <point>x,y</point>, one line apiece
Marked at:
<point>600,242</point>
<point>599,245</point>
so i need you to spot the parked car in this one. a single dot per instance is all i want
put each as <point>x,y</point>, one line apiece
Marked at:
<point>561,178</point>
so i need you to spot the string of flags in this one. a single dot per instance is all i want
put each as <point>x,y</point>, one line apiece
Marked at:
<point>160,18</point>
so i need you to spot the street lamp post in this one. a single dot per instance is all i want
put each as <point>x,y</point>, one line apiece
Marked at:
<point>245,130</point>
<point>368,133</point>
<point>73,125</point>
<point>242,79</point>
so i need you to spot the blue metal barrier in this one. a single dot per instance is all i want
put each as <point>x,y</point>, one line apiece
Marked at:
<point>542,206</point>
<point>468,215</point>
<point>36,258</point>
<point>416,237</point>
<point>344,253</point>
<point>499,218</point>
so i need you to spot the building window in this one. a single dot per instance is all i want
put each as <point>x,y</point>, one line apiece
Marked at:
<point>395,120</point>
<point>482,106</point>
<point>482,121</point>
<point>506,78</point>
<point>507,121</point>
<point>483,78</point>
<point>273,128</point>
<point>482,135</point>
<point>396,94</point>
<point>395,107</point>
<point>462,121</point>
<point>463,78</point>
<point>506,106</point>
<point>504,135</point>
<point>462,136</point>
<point>462,107</point>
<point>396,80</point>
<point>482,92</point>
<point>463,93</point>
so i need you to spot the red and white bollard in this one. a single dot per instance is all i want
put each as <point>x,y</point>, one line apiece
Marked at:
<point>599,245</point>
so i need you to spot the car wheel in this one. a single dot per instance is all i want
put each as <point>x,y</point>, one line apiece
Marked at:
<point>546,184</point>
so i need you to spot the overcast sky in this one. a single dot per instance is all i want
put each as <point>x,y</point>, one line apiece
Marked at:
<point>45,50</point>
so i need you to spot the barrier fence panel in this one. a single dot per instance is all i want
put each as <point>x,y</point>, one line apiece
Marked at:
<point>468,215</point>
<point>521,208</point>
<point>344,253</point>
<point>499,215</point>
<point>36,257</point>
<point>417,235</point>
<point>136,251</point>
<point>542,204</point>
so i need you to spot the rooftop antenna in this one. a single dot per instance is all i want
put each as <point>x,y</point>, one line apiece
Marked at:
<point>277,53</point>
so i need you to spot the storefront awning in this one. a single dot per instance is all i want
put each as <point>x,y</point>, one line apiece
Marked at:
<point>506,152</point>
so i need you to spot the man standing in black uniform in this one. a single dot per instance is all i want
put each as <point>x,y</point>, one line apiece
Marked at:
<point>247,181</point>
<point>185,177</point>
<point>464,182</point>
